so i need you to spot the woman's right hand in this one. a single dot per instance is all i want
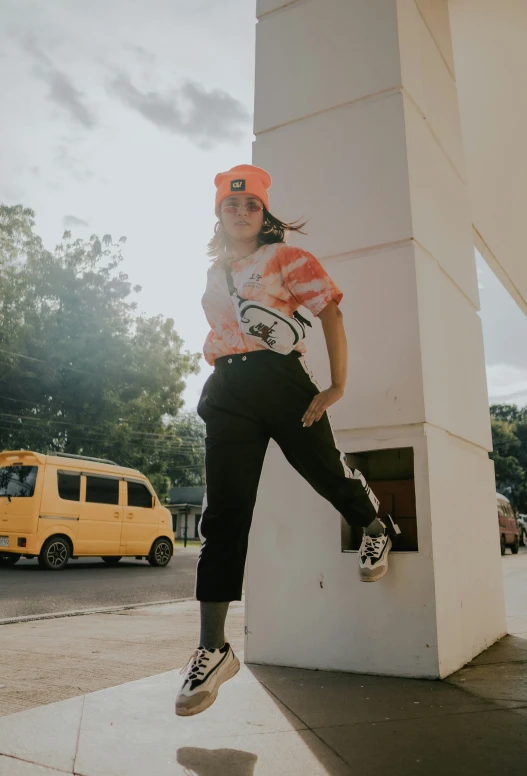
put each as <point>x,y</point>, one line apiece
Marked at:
<point>320,404</point>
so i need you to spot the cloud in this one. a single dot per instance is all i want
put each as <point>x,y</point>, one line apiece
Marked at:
<point>206,118</point>
<point>61,90</point>
<point>141,53</point>
<point>507,384</point>
<point>504,324</point>
<point>67,161</point>
<point>70,222</point>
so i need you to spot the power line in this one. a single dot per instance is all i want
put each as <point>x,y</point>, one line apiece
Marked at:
<point>71,368</point>
<point>182,468</point>
<point>159,452</point>
<point>166,455</point>
<point>165,436</point>
<point>161,436</point>
<point>49,406</point>
<point>42,361</point>
<point>110,423</point>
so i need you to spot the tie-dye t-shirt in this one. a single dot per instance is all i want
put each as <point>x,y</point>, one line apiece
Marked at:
<point>279,276</point>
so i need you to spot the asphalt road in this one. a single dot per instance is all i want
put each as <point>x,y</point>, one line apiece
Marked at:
<point>25,589</point>
<point>89,584</point>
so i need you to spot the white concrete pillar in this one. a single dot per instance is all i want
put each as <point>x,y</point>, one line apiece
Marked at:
<point>356,118</point>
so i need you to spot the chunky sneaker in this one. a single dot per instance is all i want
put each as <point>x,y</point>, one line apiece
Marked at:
<point>373,554</point>
<point>205,671</point>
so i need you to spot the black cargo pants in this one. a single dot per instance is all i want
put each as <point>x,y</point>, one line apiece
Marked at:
<point>246,401</point>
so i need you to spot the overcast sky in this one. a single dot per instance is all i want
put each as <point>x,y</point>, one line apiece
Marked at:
<point>117,114</point>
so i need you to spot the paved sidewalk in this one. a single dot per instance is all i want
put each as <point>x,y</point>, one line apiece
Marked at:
<point>271,721</point>
<point>267,721</point>
<point>51,660</point>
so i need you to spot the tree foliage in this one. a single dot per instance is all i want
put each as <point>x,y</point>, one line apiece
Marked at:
<point>509,437</point>
<point>80,371</point>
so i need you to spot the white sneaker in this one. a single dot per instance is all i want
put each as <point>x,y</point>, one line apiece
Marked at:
<point>205,671</point>
<point>373,555</point>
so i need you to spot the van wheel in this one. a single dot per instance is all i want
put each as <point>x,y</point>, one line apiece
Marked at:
<point>55,554</point>
<point>160,553</point>
<point>502,544</point>
<point>523,542</point>
<point>516,546</point>
<point>111,560</point>
<point>8,558</point>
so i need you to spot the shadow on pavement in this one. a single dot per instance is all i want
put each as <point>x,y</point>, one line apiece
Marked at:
<point>212,762</point>
<point>32,567</point>
<point>474,723</point>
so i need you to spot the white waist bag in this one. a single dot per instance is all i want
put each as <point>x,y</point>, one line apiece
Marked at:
<point>267,325</point>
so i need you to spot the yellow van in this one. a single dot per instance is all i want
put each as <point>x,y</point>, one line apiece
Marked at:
<point>57,507</point>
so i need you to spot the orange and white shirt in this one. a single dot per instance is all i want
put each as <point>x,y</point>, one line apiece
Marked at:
<point>277,275</point>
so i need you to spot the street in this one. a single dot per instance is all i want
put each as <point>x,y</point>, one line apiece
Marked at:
<point>89,583</point>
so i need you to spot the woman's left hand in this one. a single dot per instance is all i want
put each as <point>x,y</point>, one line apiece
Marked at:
<point>320,403</point>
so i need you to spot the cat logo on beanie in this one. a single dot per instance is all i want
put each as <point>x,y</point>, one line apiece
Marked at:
<point>244,178</point>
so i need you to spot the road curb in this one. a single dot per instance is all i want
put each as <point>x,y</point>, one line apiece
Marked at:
<point>81,612</point>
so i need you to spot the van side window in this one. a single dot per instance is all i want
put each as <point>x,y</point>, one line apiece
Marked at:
<point>18,481</point>
<point>139,495</point>
<point>102,490</point>
<point>69,485</point>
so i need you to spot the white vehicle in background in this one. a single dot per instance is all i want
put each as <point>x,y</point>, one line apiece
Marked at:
<point>522,523</point>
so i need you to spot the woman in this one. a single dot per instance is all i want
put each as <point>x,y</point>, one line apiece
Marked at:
<point>255,394</point>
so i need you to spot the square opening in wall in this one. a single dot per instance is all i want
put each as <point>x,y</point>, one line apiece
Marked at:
<point>390,474</point>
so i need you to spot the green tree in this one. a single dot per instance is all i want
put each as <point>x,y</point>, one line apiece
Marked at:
<point>17,238</point>
<point>189,467</point>
<point>509,437</point>
<point>521,433</point>
<point>508,412</point>
<point>80,370</point>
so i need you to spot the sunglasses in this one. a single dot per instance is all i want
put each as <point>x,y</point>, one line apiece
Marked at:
<point>252,207</point>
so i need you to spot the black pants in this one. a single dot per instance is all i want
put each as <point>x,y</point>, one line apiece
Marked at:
<point>245,402</point>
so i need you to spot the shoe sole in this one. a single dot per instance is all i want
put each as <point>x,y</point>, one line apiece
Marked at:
<point>383,571</point>
<point>233,670</point>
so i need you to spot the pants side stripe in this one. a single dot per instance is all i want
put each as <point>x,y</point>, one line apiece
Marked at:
<point>354,474</point>
<point>202,540</point>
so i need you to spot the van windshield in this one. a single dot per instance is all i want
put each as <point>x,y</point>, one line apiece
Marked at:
<point>18,481</point>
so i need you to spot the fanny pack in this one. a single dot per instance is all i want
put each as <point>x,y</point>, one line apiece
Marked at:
<point>267,325</point>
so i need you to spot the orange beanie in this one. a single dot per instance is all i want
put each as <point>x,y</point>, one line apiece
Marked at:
<point>243,179</point>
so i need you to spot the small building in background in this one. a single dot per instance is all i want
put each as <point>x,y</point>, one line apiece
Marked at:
<point>185,505</point>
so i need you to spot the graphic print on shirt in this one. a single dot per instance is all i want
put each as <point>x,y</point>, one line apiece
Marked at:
<point>279,276</point>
